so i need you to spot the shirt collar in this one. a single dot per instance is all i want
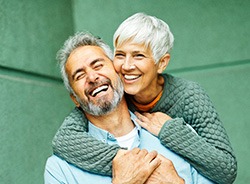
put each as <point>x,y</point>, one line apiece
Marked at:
<point>104,135</point>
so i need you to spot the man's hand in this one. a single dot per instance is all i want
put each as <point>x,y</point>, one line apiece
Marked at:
<point>134,166</point>
<point>165,173</point>
<point>152,122</point>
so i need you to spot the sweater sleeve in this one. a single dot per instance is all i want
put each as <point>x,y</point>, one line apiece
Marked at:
<point>209,151</point>
<point>76,146</point>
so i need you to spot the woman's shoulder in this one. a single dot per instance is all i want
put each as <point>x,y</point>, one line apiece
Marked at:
<point>174,83</point>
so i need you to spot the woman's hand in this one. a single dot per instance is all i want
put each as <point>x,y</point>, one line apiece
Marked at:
<point>152,122</point>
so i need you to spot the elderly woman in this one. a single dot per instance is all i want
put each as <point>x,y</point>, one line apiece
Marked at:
<point>177,111</point>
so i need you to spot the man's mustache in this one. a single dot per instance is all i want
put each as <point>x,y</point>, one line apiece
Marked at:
<point>93,85</point>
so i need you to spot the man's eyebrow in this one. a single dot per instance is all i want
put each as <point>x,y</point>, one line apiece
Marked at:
<point>95,61</point>
<point>81,69</point>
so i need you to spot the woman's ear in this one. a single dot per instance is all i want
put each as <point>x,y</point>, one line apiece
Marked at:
<point>73,98</point>
<point>163,63</point>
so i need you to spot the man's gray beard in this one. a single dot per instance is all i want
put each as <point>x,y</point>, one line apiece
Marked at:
<point>103,107</point>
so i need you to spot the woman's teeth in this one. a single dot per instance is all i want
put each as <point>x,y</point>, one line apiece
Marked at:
<point>131,77</point>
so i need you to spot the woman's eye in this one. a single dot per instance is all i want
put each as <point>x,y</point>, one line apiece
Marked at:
<point>139,56</point>
<point>119,55</point>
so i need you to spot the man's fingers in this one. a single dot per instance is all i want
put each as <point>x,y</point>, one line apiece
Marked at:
<point>156,162</point>
<point>143,153</point>
<point>135,150</point>
<point>150,156</point>
<point>153,160</point>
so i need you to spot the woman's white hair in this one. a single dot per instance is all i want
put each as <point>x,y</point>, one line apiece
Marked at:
<point>147,30</point>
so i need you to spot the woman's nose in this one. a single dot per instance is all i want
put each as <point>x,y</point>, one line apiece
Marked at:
<point>128,64</point>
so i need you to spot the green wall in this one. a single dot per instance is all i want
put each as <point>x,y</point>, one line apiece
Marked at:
<point>33,99</point>
<point>211,47</point>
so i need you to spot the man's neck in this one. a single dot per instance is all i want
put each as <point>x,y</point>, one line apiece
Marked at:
<point>117,122</point>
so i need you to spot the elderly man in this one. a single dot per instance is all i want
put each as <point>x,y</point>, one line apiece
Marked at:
<point>97,92</point>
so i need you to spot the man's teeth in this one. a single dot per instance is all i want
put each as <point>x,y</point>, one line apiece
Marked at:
<point>99,89</point>
<point>131,77</point>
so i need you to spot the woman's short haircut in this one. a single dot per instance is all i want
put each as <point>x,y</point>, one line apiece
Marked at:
<point>148,30</point>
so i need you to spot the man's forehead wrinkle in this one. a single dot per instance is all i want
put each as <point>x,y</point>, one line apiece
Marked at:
<point>82,68</point>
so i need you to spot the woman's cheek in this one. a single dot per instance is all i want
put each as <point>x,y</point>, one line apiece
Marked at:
<point>117,66</point>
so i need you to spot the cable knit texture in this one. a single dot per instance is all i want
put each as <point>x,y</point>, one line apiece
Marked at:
<point>209,151</point>
<point>76,146</point>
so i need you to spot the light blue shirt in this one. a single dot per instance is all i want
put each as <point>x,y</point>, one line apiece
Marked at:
<point>58,171</point>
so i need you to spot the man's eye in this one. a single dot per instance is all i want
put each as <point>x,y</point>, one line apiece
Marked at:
<point>80,76</point>
<point>98,66</point>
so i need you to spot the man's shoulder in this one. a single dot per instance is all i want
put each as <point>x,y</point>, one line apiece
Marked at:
<point>76,121</point>
<point>75,118</point>
<point>55,170</point>
<point>58,170</point>
<point>55,163</point>
<point>54,159</point>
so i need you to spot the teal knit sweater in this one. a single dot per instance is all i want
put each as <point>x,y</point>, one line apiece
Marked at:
<point>186,102</point>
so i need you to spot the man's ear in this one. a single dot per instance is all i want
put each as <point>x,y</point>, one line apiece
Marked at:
<point>163,63</point>
<point>73,98</point>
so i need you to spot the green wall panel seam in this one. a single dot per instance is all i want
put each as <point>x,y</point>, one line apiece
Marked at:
<point>27,77</point>
<point>209,66</point>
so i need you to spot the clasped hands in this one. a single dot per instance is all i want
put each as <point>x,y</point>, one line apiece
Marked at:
<point>142,167</point>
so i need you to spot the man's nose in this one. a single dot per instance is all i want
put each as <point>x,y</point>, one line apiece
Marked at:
<point>92,76</point>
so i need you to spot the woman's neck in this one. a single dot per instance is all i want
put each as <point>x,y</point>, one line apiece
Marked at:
<point>148,96</point>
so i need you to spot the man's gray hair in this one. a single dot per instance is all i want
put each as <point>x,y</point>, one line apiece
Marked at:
<point>73,42</point>
<point>148,30</point>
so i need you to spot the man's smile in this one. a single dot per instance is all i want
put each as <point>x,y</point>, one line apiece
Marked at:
<point>98,90</point>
